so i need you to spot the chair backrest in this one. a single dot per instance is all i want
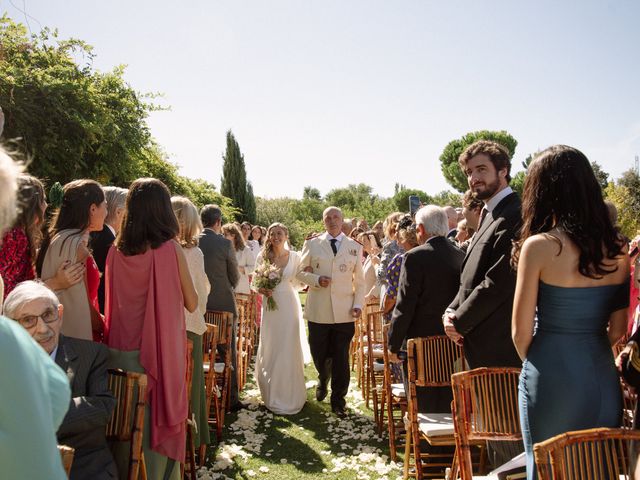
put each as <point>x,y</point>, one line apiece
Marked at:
<point>223,320</point>
<point>375,323</point>
<point>485,407</point>
<point>629,403</point>
<point>431,361</point>
<point>127,420</point>
<point>209,343</point>
<point>598,453</point>
<point>67,457</point>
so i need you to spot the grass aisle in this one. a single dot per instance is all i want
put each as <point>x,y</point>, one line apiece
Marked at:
<point>314,444</point>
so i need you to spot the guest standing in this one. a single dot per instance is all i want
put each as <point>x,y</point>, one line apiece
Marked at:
<point>372,248</point>
<point>83,211</point>
<point>190,230</point>
<point>21,243</point>
<point>221,267</point>
<point>429,279</point>
<point>480,314</point>
<point>573,275</point>
<point>244,257</point>
<point>148,286</point>
<point>101,241</point>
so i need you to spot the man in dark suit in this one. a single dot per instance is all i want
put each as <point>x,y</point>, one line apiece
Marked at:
<point>429,280</point>
<point>480,315</point>
<point>221,267</point>
<point>452,220</point>
<point>101,241</point>
<point>38,310</point>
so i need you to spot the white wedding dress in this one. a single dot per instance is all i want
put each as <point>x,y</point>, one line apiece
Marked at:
<point>283,349</point>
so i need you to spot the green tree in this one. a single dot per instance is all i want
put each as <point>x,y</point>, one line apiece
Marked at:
<point>601,175</point>
<point>401,198</point>
<point>311,193</point>
<point>449,157</point>
<point>234,180</point>
<point>627,206</point>
<point>447,197</point>
<point>73,121</point>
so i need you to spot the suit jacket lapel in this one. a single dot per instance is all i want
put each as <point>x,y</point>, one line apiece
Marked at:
<point>66,357</point>
<point>488,220</point>
<point>326,244</point>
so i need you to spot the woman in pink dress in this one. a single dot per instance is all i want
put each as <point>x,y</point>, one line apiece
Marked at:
<point>148,286</point>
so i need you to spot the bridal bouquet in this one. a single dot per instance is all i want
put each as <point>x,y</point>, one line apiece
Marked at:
<point>267,275</point>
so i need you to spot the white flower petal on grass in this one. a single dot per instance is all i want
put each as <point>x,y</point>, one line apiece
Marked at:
<point>250,473</point>
<point>264,469</point>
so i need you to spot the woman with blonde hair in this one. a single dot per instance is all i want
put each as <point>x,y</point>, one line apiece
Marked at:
<point>244,256</point>
<point>190,228</point>
<point>389,250</point>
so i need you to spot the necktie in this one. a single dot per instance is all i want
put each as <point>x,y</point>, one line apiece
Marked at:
<point>333,246</point>
<point>483,214</point>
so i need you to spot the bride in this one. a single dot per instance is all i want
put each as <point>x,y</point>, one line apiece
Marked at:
<point>283,349</point>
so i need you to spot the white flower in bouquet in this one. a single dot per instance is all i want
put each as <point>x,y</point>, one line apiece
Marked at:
<point>267,276</point>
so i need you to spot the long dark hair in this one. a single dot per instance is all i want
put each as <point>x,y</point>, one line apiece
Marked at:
<point>31,199</point>
<point>561,191</point>
<point>149,220</point>
<point>73,214</point>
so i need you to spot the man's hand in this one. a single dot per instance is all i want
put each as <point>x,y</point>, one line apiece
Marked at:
<point>324,281</point>
<point>393,357</point>
<point>355,312</point>
<point>450,329</point>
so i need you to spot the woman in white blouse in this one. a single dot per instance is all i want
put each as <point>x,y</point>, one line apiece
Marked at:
<point>246,260</point>
<point>190,229</point>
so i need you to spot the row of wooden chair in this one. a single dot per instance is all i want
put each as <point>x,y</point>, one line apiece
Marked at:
<point>485,408</point>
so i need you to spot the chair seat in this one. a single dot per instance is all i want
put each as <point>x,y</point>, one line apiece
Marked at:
<point>378,367</point>
<point>436,424</point>
<point>217,367</point>
<point>397,390</point>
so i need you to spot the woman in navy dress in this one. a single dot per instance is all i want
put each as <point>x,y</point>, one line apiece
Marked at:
<point>573,284</point>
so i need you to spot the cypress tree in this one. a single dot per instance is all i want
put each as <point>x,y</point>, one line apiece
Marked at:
<point>233,183</point>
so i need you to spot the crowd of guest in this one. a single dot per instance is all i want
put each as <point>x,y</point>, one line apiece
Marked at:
<point>122,278</point>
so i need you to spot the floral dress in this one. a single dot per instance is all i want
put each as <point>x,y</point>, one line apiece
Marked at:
<point>15,259</point>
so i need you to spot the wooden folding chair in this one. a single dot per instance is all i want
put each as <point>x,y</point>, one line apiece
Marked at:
<point>357,347</point>
<point>222,364</point>
<point>375,379</point>
<point>486,408</point>
<point>244,342</point>
<point>66,453</point>
<point>212,392</point>
<point>629,405</point>
<point>127,421</point>
<point>595,454</point>
<point>395,401</point>
<point>431,361</point>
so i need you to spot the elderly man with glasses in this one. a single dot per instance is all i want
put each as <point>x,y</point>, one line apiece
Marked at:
<point>38,310</point>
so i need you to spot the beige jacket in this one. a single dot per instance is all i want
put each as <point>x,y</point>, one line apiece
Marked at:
<point>77,314</point>
<point>332,304</point>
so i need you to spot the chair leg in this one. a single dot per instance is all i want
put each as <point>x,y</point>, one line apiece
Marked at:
<point>202,454</point>
<point>407,455</point>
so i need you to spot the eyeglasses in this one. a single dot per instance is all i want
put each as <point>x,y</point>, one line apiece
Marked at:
<point>30,321</point>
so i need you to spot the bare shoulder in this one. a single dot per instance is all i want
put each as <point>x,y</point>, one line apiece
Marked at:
<point>542,244</point>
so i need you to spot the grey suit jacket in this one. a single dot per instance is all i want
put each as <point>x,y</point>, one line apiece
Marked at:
<point>83,427</point>
<point>221,267</point>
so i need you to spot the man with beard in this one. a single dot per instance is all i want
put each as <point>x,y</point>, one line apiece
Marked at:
<point>480,315</point>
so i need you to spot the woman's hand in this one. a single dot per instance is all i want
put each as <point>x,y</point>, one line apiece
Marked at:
<point>67,275</point>
<point>265,291</point>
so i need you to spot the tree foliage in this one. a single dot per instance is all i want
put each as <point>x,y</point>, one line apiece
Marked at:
<point>449,157</point>
<point>401,197</point>
<point>234,181</point>
<point>601,175</point>
<point>75,122</point>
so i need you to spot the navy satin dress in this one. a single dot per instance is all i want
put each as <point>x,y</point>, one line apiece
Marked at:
<point>569,380</point>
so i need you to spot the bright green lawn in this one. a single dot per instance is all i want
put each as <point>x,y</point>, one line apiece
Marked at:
<point>313,444</point>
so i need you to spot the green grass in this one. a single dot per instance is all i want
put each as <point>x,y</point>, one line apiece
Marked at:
<point>314,444</point>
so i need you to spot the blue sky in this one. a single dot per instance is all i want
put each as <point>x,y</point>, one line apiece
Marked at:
<point>327,93</point>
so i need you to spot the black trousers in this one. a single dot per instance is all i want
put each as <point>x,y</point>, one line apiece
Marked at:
<point>329,343</point>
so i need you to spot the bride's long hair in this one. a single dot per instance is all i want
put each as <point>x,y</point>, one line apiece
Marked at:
<point>267,249</point>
